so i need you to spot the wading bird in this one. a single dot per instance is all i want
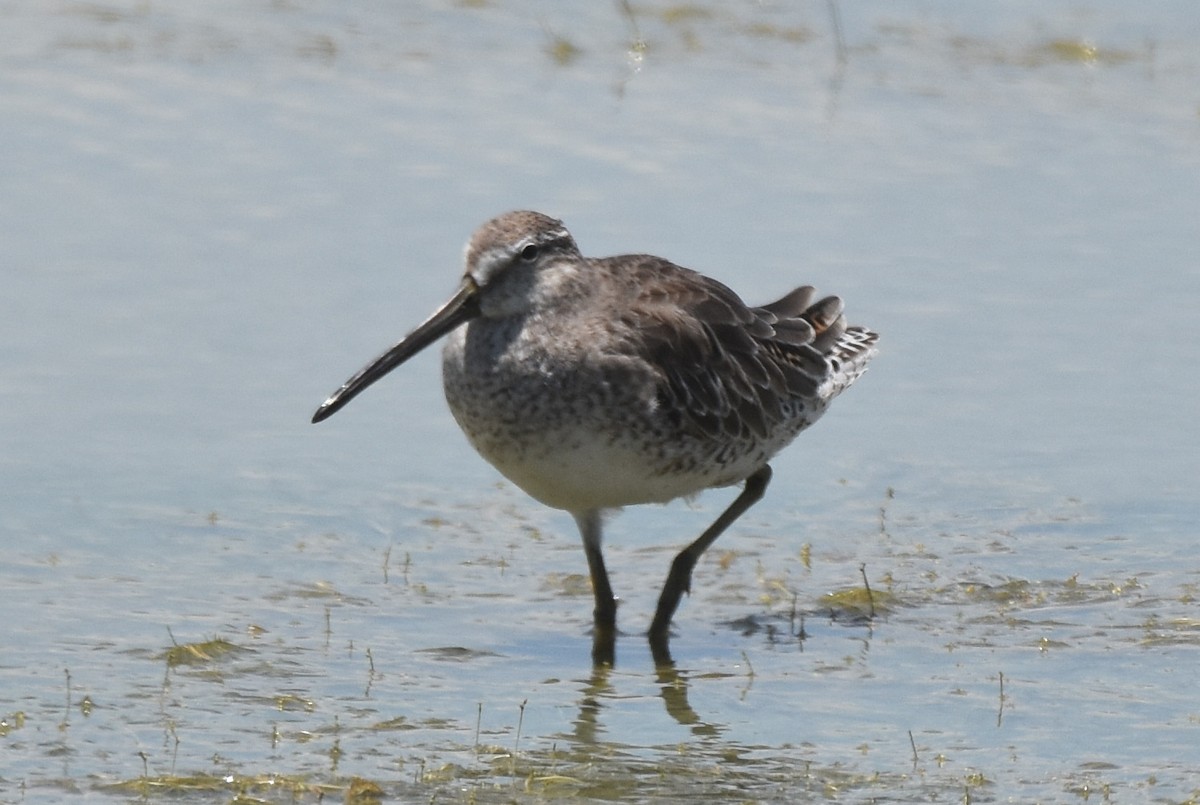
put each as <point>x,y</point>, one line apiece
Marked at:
<point>597,383</point>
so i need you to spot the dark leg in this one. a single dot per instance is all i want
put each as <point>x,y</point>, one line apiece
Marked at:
<point>679,580</point>
<point>605,614</point>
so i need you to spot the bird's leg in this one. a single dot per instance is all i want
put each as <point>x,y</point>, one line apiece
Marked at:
<point>605,614</point>
<point>606,604</point>
<point>679,580</point>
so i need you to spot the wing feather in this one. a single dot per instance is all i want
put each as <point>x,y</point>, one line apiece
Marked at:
<point>727,370</point>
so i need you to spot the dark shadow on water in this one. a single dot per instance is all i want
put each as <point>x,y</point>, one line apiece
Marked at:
<point>674,688</point>
<point>674,692</point>
<point>587,728</point>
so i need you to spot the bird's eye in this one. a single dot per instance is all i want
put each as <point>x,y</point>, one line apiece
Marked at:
<point>529,253</point>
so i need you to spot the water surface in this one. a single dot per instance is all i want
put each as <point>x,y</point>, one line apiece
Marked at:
<point>212,216</point>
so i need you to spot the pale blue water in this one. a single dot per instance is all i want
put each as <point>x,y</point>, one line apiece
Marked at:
<point>211,216</point>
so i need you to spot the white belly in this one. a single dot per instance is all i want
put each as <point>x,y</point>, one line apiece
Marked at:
<point>578,432</point>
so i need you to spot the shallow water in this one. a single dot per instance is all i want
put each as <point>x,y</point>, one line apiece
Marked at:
<point>212,216</point>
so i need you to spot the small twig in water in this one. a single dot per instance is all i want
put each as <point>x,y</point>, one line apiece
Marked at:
<point>175,750</point>
<point>891,494</point>
<point>67,712</point>
<point>370,673</point>
<point>749,667</point>
<point>1000,712</point>
<point>517,741</point>
<point>478,724</point>
<point>520,721</point>
<point>796,615</point>
<point>870,596</point>
<point>913,743</point>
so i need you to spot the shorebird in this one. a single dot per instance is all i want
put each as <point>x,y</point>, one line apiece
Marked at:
<point>598,383</point>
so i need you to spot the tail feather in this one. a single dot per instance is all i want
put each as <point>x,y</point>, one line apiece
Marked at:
<point>827,322</point>
<point>793,304</point>
<point>813,342</point>
<point>848,359</point>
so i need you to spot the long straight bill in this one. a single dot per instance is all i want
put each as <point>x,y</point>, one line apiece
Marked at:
<point>459,309</point>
